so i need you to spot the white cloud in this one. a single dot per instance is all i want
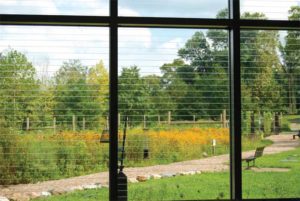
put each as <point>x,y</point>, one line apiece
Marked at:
<point>51,46</point>
<point>273,9</point>
<point>28,7</point>
<point>123,11</point>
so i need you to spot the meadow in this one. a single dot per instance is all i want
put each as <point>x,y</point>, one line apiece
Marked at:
<point>33,157</point>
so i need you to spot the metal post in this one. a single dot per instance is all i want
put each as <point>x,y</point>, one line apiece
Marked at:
<point>235,102</point>
<point>113,102</point>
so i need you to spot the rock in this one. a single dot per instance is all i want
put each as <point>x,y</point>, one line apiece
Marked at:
<point>91,186</point>
<point>57,192</point>
<point>167,175</point>
<point>142,178</point>
<point>191,172</point>
<point>204,154</point>
<point>75,188</point>
<point>155,176</point>
<point>3,198</point>
<point>198,171</point>
<point>45,194</point>
<point>33,195</point>
<point>132,180</point>
<point>19,197</point>
<point>180,173</point>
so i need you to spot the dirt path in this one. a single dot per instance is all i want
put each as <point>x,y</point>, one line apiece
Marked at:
<point>22,192</point>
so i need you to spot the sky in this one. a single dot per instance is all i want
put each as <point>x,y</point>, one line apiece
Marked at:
<point>49,47</point>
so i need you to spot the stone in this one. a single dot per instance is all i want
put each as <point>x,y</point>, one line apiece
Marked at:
<point>3,198</point>
<point>180,173</point>
<point>191,172</point>
<point>198,171</point>
<point>155,176</point>
<point>45,194</point>
<point>132,180</point>
<point>75,188</point>
<point>204,154</point>
<point>142,178</point>
<point>91,186</point>
<point>34,195</point>
<point>167,175</point>
<point>57,192</point>
<point>19,197</point>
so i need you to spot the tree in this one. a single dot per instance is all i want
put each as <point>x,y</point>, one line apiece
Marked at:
<point>291,56</point>
<point>97,80</point>
<point>260,65</point>
<point>18,88</point>
<point>133,96</point>
<point>198,53</point>
<point>73,95</point>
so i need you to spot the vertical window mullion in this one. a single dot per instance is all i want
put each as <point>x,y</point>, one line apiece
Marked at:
<point>235,102</point>
<point>113,102</point>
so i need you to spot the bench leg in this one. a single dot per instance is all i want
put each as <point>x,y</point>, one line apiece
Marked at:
<point>294,137</point>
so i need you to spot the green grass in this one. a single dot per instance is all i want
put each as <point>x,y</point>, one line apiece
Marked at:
<point>212,185</point>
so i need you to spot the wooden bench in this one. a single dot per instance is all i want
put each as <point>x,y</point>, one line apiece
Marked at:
<point>298,134</point>
<point>258,153</point>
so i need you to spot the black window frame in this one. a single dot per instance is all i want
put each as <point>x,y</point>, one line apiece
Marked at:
<point>233,24</point>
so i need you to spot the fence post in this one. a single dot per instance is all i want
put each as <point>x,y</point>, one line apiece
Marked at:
<point>107,122</point>
<point>277,126</point>
<point>280,120</point>
<point>54,124</point>
<point>145,122</point>
<point>74,123</point>
<point>83,123</point>
<point>262,121</point>
<point>194,118</point>
<point>221,119</point>
<point>169,117</point>
<point>158,118</point>
<point>27,124</point>
<point>224,119</point>
<point>252,124</point>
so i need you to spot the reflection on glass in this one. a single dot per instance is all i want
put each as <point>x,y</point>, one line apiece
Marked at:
<point>270,113</point>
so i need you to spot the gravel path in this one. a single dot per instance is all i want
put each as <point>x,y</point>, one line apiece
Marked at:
<point>24,192</point>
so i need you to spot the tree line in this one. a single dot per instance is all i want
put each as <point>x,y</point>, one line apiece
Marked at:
<point>195,83</point>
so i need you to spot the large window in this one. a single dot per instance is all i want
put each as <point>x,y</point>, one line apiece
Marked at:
<point>149,100</point>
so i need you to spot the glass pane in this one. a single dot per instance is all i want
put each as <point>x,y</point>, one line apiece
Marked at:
<point>174,93</point>
<point>53,108</point>
<point>174,8</point>
<point>270,9</point>
<point>270,113</point>
<point>55,7</point>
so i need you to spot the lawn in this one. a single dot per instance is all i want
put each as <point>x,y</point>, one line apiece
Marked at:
<point>211,185</point>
